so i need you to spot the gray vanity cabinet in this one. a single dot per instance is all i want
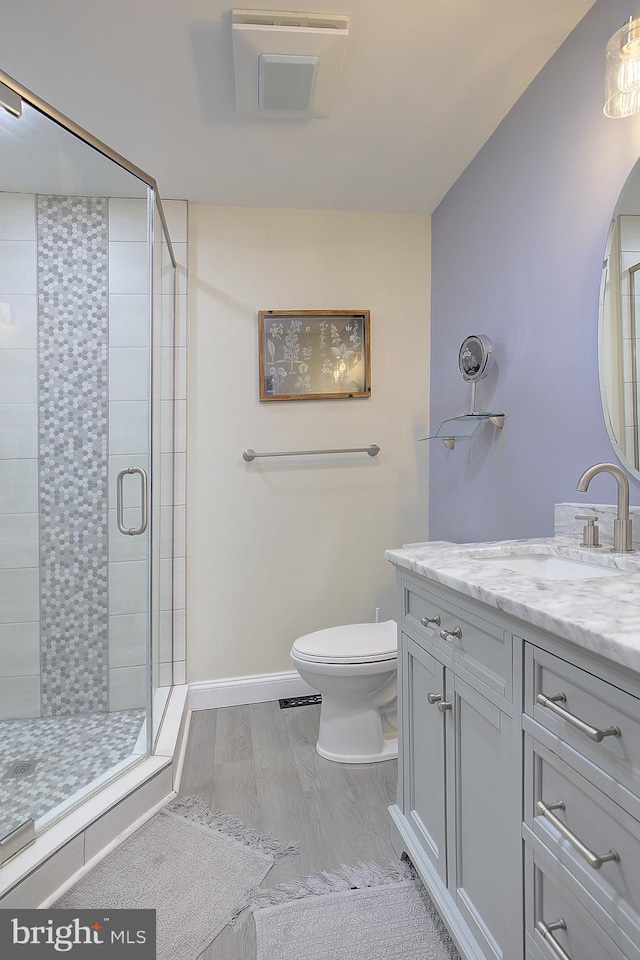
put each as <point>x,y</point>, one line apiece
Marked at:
<point>455,817</point>
<point>581,823</point>
<point>519,781</point>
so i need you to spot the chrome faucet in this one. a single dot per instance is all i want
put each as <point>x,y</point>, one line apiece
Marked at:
<point>622,525</point>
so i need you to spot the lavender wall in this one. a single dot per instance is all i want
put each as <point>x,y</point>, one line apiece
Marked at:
<point>517,250</point>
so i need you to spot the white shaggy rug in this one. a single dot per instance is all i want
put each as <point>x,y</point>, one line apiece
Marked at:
<point>357,913</point>
<point>194,866</point>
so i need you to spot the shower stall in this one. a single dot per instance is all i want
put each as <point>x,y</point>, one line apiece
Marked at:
<point>87,457</point>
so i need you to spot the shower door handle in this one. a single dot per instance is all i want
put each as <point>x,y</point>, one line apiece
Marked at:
<point>144,518</point>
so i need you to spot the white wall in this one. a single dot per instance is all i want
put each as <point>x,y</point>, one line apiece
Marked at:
<point>277,548</point>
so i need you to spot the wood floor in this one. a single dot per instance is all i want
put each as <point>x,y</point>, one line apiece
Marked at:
<point>258,762</point>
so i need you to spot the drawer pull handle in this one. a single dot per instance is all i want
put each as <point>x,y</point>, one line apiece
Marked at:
<point>593,859</point>
<point>456,634</point>
<point>444,705</point>
<point>551,704</point>
<point>545,930</point>
<point>425,621</point>
<point>433,698</point>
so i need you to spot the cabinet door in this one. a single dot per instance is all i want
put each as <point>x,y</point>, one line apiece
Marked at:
<point>483,828</point>
<point>423,753</point>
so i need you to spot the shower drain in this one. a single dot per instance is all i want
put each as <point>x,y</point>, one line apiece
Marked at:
<point>22,768</point>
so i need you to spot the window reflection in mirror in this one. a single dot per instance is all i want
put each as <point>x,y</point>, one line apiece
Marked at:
<point>619,327</point>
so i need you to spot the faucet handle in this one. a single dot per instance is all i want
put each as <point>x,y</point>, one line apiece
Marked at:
<point>590,530</point>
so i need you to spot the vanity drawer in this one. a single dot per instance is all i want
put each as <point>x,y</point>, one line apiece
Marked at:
<point>551,910</point>
<point>593,838</point>
<point>587,717</point>
<point>462,633</point>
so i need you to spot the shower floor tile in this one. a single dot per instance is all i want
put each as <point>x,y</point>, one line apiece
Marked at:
<point>45,760</point>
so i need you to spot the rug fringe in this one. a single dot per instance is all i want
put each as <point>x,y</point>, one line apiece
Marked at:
<point>347,877</point>
<point>193,808</point>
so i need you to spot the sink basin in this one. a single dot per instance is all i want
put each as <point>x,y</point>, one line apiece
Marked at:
<point>546,566</point>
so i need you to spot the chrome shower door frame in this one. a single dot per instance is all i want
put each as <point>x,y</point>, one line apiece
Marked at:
<point>157,233</point>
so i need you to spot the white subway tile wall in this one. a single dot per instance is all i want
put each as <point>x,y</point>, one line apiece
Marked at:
<point>19,319</point>
<point>128,267</point>
<point>20,649</point>
<point>128,687</point>
<point>18,431</point>
<point>176,212</point>
<point>18,266</point>
<point>129,427</point>
<point>128,220</point>
<point>128,320</point>
<point>20,597</point>
<point>19,579</point>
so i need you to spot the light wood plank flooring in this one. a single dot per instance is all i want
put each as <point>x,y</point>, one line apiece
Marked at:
<point>258,762</point>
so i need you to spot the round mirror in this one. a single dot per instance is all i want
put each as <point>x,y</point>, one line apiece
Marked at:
<point>475,357</point>
<point>619,326</point>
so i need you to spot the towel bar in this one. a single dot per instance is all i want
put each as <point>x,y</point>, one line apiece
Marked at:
<point>373,450</point>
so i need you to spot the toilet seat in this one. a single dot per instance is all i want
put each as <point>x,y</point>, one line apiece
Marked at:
<point>350,643</point>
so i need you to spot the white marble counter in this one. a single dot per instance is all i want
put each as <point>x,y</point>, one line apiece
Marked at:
<point>601,615</point>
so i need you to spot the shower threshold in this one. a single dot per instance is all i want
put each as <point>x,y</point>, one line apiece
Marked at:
<point>76,840</point>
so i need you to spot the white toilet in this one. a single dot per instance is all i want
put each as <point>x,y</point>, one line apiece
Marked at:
<point>354,668</point>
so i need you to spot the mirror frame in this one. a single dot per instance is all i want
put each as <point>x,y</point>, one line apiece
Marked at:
<point>484,347</point>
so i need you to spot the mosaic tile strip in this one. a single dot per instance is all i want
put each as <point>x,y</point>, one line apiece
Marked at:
<point>72,437</point>
<point>69,753</point>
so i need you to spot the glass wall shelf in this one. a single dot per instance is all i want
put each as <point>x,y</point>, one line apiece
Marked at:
<point>464,426</point>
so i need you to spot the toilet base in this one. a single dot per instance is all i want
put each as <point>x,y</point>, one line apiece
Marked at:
<point>389,752</point>
<point>350,732</point>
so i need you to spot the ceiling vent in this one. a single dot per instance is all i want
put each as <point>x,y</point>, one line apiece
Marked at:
<point>287,64</point>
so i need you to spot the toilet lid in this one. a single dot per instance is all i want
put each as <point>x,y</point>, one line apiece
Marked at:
<point>351,643</point>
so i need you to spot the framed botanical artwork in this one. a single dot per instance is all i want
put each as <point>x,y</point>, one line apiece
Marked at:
<point>314,354</point>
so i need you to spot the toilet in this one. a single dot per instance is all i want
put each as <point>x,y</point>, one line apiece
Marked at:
<point>354,668</point>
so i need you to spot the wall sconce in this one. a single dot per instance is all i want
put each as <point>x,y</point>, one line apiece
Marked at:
<point>622,70</point>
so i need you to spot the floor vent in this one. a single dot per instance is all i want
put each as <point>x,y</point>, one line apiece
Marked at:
<point>300,701</point>
<point>21,768</point>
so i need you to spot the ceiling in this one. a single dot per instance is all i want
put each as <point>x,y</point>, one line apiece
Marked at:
<point>424,84</point>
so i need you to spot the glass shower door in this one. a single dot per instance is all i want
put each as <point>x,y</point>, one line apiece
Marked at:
<point>76,469</point>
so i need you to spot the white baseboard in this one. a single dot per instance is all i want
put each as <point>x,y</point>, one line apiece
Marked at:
<point>239,690</point>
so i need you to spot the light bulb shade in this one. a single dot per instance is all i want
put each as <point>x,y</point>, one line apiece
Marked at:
<point>630,36</point>
<point>622,71</point>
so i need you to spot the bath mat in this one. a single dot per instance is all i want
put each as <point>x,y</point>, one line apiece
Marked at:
<point>194,866</point>
<point>365,912</point>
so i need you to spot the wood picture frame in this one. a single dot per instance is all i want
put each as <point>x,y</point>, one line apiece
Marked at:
<point>314,354</point>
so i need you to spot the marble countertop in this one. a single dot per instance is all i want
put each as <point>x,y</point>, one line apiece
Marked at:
<point>601,615</point>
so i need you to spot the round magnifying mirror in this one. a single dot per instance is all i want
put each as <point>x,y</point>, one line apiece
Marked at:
<point>475,357</point>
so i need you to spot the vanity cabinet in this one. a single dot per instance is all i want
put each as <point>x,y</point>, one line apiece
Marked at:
<point>459,749</point>
<point>519,781</point>
<point>581,822</point>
